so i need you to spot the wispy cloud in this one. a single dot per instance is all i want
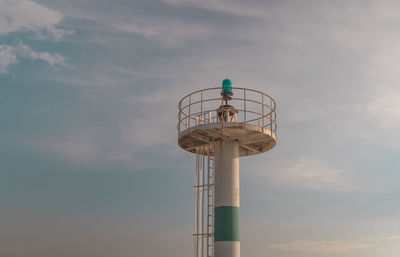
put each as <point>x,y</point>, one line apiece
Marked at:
<point>133,27</point>
<point>171,33</point>
<point>28,16</point>
<point>384,110</point>
<point>27,52</point>
<point>309,172</point>
<point>78,148</point>
<point>240,8</point>
<point>383,107</point>
<point>11,54</point>
<point>16,252</point>
<point>321,246</point>
<point>335,247</point>
<point>7,57</point>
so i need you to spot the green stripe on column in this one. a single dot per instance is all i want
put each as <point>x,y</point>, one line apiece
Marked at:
<point>226,226</point>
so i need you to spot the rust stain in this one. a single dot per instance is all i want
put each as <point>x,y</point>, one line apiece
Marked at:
<point>237,194</point>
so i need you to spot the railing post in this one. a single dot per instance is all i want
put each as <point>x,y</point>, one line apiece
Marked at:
<point>262,113</point>
<point>201,103</point>
<point>270,116</point>
<point>244,103</point>
<point>190,103</point>
<point>179,119</point>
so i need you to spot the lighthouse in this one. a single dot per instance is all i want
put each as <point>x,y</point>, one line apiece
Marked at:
<point>220,127</point>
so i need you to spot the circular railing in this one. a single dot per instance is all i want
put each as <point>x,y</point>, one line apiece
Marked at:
<point>200,107</point>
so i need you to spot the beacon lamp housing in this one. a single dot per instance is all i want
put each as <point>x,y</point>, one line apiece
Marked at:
<point>226,91</point>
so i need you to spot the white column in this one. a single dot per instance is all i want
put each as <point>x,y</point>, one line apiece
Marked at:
<point>227,196</point>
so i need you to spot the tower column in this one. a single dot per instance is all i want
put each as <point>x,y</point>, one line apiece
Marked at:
<point>226,226</point>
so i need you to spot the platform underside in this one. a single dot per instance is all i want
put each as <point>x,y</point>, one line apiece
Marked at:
<point>252,139</point>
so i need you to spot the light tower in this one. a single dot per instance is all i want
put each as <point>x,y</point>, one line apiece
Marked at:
<point>220,126</point>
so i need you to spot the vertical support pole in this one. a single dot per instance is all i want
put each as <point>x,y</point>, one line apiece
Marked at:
<point>208,201</point>
<point>202,201</point>
<point>196,229</point>
<point>227,194</point>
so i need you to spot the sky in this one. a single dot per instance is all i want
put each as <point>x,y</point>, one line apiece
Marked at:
<point>89,162</point>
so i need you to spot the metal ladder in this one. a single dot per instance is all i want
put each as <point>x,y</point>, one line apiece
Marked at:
<point>210,205</point>
<point>204,204</point>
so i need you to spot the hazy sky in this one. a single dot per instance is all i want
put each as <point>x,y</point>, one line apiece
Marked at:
<point>89,164</point>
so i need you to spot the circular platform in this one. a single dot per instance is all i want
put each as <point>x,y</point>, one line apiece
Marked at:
<point>252,139</point>
<point>204,119</point>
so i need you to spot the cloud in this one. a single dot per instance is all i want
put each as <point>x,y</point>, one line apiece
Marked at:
<point>10,54</point>
<point>240,8</point>
<point>79,148</point>
<point>310,173</point>
<point>321,246</point>
<point>172,33</point>
<point>383,107</point>
<point>384,111</point>
<point>7,57</point>
<point>373,243</point>
<point>155,125</point>
<point>133,27</point>
<point>28,16</point>
<point>15,252</point>
<point>379,111</point>
<point>27,52</point>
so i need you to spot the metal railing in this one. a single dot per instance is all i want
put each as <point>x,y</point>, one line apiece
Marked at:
<point>200,107</point>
